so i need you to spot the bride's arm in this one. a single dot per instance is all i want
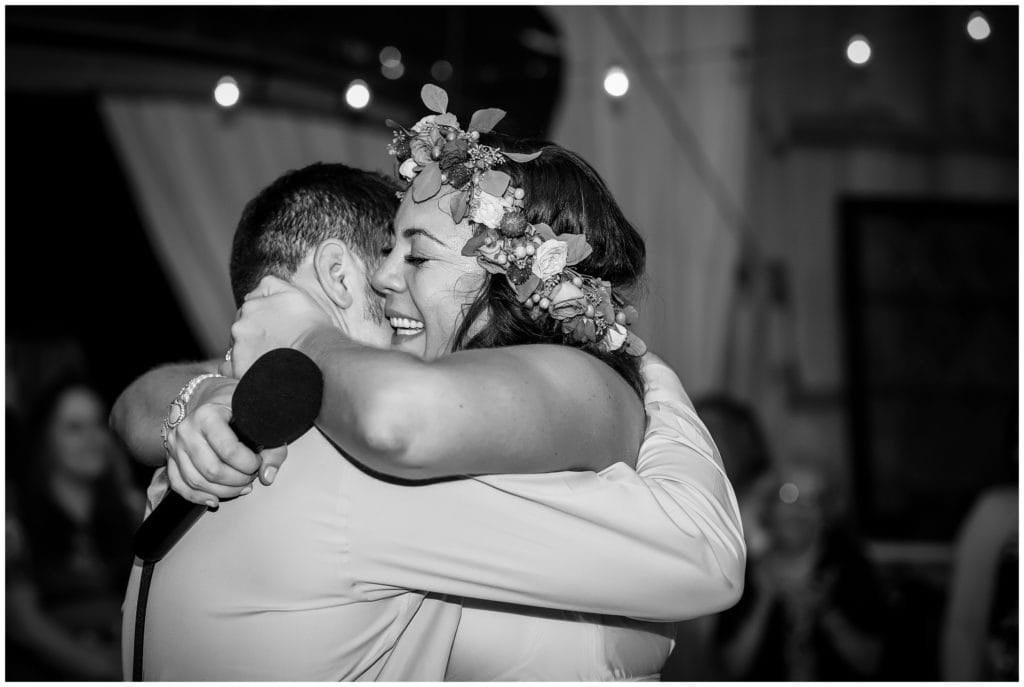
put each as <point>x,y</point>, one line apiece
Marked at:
<point>520,409</point>
<point>516,409</point>
<point>661,543</point>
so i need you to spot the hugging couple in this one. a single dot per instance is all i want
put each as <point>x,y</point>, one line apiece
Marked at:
<point>502,483</point>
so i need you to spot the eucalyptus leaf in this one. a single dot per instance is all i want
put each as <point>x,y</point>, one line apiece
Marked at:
<point>495,182</point>
<point>485,120</point>
<point>459,206</point>
<point>427,183</point>
<point>543,231</point>
<point>474,244</point>
<point>578,248</point>
<point>521,157</point>
<point>526,289</point>
<point>435,98</point>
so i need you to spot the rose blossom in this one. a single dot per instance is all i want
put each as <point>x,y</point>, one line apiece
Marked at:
<point>615,337</point>
<point>419,126</point>
<point>408,169</point>
<point>489,210</point>
<point>567,301</point>
<point>566,291</point>
<point>421,151</point>
<point>550,258</point>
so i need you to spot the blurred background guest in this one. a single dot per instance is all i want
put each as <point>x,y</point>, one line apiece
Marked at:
<point>68,530</point>
<point>812,608</point>
<point>981,633</point>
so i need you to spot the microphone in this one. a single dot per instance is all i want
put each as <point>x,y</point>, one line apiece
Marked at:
<point>276,402</point>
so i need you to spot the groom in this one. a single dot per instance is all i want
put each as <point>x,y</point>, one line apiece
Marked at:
<point>311,579</point>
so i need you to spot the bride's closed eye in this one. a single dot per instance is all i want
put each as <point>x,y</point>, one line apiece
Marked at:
<point>415,260</point>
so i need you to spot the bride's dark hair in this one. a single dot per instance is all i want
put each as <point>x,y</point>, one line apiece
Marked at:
<point>566,193</point>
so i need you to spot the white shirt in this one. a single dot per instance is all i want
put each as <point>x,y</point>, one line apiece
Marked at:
<point>310,579</point>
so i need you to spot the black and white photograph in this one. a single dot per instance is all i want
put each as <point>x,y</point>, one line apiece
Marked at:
<point>512,343</point>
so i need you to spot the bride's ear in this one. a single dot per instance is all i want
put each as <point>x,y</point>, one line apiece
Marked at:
<point>338,271</point>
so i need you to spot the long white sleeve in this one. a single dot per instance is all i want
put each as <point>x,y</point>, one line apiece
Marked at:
<point>663,542</point>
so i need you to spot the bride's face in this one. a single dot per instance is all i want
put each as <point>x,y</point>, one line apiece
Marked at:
<point>426,280</point>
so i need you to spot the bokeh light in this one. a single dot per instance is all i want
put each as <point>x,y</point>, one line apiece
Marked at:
<point>616,82</point>
<point>858,51</point>
<point>390,56</point>
<point>358,95</point>
<point>441,70</point>
<point>789,493</point>
<point>227,93</point>
<point>978,27</point>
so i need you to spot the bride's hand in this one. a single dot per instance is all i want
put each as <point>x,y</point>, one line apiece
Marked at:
<point>275,315</point>
<point>206,461</point>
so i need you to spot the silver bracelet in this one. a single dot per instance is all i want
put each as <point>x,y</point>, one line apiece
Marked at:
<point>178,408</point>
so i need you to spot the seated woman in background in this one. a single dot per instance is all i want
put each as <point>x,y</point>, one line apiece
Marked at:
<point>68,544</point>
<point>813,608</point>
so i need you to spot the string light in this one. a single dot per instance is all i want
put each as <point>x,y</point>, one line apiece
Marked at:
<point>978,27</point>
<point>226,93</point>
<point>858,51</point>
<point>616,82</point>
<point>358,95</point>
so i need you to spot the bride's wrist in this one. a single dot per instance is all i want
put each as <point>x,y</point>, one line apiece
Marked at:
<point>320,339</point>
<point>210,389</point>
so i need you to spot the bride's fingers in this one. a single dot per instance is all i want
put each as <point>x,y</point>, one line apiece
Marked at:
<point>216,472</point>
<point>272,460</point>
<point>268,286</point>
<point>194,480</point>
<point>179,487</point>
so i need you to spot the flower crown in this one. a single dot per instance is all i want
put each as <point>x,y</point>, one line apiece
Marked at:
<point>536,262</point>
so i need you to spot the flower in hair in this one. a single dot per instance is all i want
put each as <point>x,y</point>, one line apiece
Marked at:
<point>537,264</point>
<point>549,259</point>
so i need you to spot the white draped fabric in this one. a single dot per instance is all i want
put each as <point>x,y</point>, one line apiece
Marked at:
<point>193,168</point>
<point>693,245</point>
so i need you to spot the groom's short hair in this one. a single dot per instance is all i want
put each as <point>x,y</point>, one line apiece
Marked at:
<point>302,209</point>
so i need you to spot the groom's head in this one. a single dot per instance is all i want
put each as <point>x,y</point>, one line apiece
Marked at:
<point>322,227</point>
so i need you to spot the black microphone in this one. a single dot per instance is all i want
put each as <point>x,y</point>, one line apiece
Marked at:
<point>276,402</point>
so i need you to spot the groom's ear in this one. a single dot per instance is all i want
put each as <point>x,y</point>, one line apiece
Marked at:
<point>337,270</point>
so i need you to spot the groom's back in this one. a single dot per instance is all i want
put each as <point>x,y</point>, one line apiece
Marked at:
<point>258,589</point>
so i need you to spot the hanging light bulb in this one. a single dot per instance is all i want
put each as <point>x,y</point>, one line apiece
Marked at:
<point>226,93</point>
<point>978,27</point>
<point>616,82</point>
<point>358,95</point>
<point>858,51</point>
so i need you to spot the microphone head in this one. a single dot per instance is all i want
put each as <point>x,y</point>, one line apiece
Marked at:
<point>278,398</point>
